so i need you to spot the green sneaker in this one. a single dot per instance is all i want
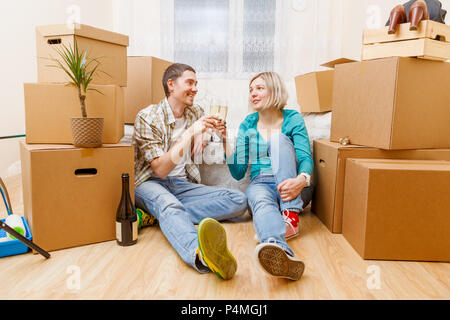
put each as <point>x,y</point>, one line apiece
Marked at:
<point>145,219</point>
<point>212,242</point>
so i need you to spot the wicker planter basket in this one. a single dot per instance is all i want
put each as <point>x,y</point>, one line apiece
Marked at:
<point>87,132</point>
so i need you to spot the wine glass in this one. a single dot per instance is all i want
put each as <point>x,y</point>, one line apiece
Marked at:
<point>218,109</point>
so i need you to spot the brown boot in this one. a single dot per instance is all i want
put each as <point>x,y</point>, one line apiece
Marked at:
<point>417,13</point>
<point>398,15</point>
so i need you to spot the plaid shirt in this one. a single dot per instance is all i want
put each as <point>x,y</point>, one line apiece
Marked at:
<point>153,137</point>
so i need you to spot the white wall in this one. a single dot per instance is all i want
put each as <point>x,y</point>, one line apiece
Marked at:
<point>18,19</point>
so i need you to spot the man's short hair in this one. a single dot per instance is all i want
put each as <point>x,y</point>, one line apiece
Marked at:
<point>173,72</point>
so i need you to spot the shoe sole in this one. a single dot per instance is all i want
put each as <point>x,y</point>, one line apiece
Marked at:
<point>212,242</point>
<point>275,261</point>
<point>293,236</point>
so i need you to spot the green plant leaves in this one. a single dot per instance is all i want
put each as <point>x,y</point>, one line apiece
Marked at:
<point>76,65</point>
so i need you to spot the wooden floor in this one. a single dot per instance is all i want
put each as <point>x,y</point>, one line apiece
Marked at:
<point>151,269</point>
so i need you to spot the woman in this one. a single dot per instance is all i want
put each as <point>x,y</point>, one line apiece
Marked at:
<point>276,144</point>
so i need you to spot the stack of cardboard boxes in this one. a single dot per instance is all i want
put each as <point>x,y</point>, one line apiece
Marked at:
<point>71,194</point>
<point>384,178</point>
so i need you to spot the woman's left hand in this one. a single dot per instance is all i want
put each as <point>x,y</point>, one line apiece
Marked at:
<point>290,189</point>
<point>221,127</point>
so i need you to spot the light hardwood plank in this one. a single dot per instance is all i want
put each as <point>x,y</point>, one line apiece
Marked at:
<point>151,269</point>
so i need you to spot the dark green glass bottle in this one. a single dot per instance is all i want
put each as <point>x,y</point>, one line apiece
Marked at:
<point>126,217</point>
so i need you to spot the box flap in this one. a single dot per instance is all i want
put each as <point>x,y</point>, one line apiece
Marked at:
<point>341,147</point>
<point>331,64</point>
<point>83,31</point>
<point>394,164</point>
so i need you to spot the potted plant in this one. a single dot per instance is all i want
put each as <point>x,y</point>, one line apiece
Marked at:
<point>87,132</point>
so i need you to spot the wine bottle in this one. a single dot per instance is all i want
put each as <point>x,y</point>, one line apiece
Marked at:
<point>126,218</point>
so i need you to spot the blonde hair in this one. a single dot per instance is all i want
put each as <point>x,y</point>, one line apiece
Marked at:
<point>278,95</point>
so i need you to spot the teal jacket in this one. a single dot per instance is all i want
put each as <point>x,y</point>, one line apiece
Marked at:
<point>251,146</point>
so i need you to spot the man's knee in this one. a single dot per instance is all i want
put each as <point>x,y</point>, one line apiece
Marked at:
<point>239,199</point>
<point>160,205</point>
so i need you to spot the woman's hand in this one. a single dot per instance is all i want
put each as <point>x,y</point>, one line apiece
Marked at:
<point>221,127</point>
<point>290,189</point>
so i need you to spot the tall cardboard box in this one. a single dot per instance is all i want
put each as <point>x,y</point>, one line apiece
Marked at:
<point>71,195</point>
<point>392,103</point>
<point>329,174</point>
<point>144,84</point>
<point>398,209</point>
<point>49,107</point>
<point>315,89</point>
<point>109,47</point>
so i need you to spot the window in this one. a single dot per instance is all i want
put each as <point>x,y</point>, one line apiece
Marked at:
<point>232,38</point>
<point>259,32</point>
<point>201,34</point>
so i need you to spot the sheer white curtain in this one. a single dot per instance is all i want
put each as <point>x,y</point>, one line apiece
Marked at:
<point>258,35</point>
<point>228,39</point>
<point>236,39</point>
<point>201,35</point>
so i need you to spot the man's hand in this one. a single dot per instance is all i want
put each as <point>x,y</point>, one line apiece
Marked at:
<point>289,189</point>
<point>202,124</point>
<point>199,144</point>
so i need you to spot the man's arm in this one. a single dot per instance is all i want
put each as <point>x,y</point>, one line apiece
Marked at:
<point>164,164</point>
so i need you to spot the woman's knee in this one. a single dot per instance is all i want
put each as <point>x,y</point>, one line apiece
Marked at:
<point>258,203</point>
<point>278,139</point>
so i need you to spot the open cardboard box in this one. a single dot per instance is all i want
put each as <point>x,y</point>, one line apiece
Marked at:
<point>144,84</point>
<point>71,195</point>
<point>392,103</point>
<point>109,47</point>
<point>315,89</point>
<point>398,209</point>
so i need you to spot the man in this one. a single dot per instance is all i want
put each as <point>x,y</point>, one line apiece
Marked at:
<point>168,182</point>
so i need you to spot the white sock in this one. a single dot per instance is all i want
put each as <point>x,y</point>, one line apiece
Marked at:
<point>199,255</point>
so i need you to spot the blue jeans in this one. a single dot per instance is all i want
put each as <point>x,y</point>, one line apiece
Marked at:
<point>179,204</point>
<point>263,198</point>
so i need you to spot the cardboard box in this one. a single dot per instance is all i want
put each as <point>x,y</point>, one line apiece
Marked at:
<point>315,89</point>
<point>392,103</point>
<point>49,107</point>
<point>329,174</point>
<point>429,41</point>
<point>144,84</point>
<point>109,47</point>
<point>398,209</point>
<point>71,195</point>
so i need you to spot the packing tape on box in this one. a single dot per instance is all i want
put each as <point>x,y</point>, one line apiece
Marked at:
<point>87,152</point>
